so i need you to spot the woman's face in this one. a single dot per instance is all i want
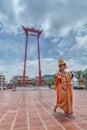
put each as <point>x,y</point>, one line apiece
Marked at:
<point>62,67</point>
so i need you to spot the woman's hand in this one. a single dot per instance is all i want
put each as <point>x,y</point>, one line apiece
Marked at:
<point>57,77</point>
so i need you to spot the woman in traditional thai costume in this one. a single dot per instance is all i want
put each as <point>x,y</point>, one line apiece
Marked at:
<point>63,88</point>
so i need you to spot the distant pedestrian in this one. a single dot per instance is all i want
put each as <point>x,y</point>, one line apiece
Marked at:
<point>63,88</point>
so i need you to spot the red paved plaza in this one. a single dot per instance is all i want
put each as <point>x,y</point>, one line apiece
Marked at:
<point>33,110</point>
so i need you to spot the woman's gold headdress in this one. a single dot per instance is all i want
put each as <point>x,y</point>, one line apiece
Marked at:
<point>60,61</point>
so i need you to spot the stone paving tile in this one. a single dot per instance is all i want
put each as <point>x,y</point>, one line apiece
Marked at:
<point>33,110</point>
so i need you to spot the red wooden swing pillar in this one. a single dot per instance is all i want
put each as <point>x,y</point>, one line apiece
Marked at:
<point>37,34</point>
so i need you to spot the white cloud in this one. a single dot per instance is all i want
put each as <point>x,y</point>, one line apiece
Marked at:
<point>56,17</point>
<point>74,65</point>
<point>82,41</point>
<point>64,31</point>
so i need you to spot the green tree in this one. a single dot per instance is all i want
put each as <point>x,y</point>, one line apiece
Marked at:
<point>51,82</point>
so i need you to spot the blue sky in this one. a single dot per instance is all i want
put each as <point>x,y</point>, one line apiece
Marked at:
<point>64,25</point>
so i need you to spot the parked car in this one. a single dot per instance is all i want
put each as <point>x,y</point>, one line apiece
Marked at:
<point>76,87</point>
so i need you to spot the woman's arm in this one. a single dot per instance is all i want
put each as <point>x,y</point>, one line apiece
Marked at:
<point>57,77</point>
